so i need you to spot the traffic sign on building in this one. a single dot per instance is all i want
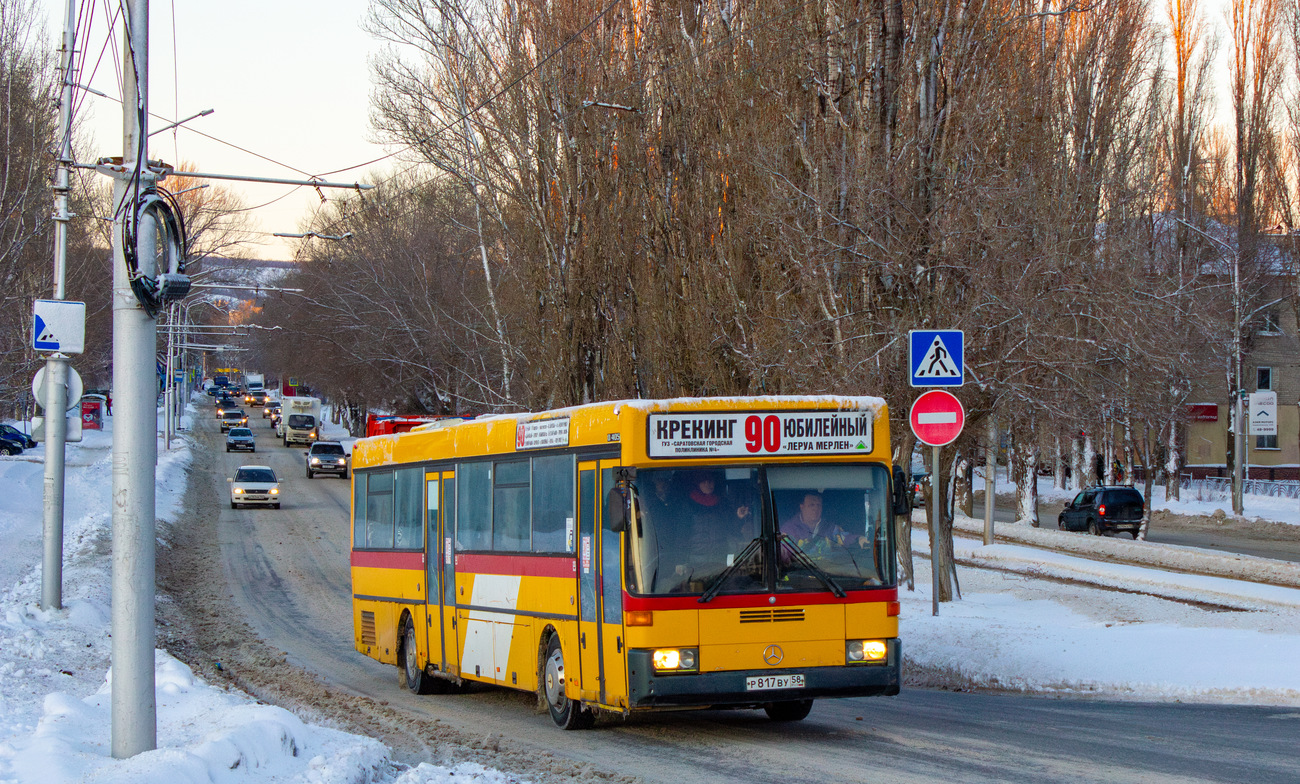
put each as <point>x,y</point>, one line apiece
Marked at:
<point>937,357</point>
<point>937,418</point>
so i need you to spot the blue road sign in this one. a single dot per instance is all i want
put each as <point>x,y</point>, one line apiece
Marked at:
<point>937,357</point>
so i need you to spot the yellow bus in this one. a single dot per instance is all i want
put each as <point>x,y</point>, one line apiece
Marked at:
<point>636,555</point>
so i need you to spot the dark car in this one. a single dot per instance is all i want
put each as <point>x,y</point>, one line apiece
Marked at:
<point>240,438</point>
<point>1103,510</point>
<point>10,445</point>
<point>233,418</point>
<point>257,397</point>
<point>326,457</point>
<point>12,433</point>
<point>271,410</point>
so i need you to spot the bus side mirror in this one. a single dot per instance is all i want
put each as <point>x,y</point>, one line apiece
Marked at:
<point>902,494</point>
<point>616,511</point>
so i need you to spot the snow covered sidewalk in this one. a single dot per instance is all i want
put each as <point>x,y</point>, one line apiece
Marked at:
<point>1112,630</point>
<point>55,682</point>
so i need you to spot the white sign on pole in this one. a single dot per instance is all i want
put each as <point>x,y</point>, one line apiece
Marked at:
<point>74,386</point>
<point>1263,413</point>
<point>59,325</point>
<point>72,436</point>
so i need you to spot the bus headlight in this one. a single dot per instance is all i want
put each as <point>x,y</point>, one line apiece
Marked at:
<point>868,651</point>
<point>674,659</point>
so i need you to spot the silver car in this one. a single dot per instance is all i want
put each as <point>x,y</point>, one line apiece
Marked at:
<point>240,438</point>
<point>254,485</point>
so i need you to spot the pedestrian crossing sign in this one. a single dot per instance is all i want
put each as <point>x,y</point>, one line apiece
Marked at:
<point>937,357</point>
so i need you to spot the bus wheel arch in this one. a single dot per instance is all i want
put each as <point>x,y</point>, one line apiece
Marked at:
<point>410,674</point>
<point>567,714</point>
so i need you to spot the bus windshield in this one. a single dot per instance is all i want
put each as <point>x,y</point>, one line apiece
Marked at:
<point>751,529</point>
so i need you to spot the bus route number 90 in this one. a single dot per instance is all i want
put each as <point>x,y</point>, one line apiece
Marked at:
<point>763,433</point>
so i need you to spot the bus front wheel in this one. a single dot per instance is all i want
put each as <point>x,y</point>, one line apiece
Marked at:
<point>794,710</point>
<point>566,713</point>
<point>411,673</point>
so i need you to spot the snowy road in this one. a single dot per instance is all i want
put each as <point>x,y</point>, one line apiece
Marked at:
<point>285,574</point>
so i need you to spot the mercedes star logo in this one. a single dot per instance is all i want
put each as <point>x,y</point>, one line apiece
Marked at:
<point>773,655</point>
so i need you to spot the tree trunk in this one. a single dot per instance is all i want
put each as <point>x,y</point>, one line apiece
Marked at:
<point>1172,464</point>
<point>1148,443</point>
<point>936,508</point>
<point>963,495</point>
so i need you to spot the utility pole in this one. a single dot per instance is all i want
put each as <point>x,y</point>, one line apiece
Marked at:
<point>56,365</point>
<point>135,445</point>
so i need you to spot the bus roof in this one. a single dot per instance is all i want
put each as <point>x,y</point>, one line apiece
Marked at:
<point>687,431</point>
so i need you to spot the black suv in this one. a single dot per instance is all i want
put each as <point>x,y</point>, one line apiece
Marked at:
<point>326,457</point>
<point>1102,510</point>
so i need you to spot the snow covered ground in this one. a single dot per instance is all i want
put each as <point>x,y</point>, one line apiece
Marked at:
<point>1160,636</point>
<point>54,666</point>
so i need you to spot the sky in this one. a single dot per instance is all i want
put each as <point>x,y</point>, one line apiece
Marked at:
<point>1061,630</point>
<point>288,80</point>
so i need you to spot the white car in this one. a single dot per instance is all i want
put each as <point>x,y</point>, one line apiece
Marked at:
<point>254,485</point>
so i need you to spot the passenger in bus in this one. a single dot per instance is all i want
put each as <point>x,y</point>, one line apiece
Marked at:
<point>811,532</point>
<point>719,527</point>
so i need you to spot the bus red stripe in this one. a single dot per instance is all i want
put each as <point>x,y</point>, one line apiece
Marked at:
<point>522,565</point>
<point>388,560</point>
<point>750,601</point>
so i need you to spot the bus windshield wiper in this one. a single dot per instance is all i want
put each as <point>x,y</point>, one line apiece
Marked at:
<point>745,555</point>
<point>807,563</point>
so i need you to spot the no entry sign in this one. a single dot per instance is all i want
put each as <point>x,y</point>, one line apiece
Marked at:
<point>937,418</point>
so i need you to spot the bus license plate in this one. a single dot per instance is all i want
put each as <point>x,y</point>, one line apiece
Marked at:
<point>766,682</point>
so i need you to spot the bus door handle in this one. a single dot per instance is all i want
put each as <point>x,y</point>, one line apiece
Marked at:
<point>619,641</point>
<point>582,639</point>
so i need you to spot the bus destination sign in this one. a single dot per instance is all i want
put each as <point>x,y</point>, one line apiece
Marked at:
<point>756,434</point>
<point>542,433</point>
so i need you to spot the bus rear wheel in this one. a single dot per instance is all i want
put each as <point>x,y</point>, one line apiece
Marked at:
<point>411,673</point>
<point>566,713</point>
<point>794,710</point>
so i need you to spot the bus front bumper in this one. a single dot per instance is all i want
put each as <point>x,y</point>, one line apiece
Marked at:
<point>647,689</point>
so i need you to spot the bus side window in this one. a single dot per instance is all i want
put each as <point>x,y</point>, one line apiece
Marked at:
<point>359,510</point>
<point>408,519</point>
<point>510,507</point>
<point>474,523</point>
<point>379,510</point>
<point>553,504</point>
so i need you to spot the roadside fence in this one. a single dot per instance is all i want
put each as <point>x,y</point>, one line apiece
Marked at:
<point>1219,488</point>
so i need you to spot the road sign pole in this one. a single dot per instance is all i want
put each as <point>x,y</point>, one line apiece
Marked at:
<point>936,522</point>
<point>56,433</point>
<point>135,426</point>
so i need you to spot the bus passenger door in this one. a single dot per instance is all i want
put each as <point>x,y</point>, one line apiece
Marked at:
<point>600,587</point>
<point>433,569</point>
<point>613,655</point>
<point>589,613</point>
<point>441,571</point>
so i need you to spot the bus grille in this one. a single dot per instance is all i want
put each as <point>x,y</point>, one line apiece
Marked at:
<point>772,616</point>
<point>367,628</point>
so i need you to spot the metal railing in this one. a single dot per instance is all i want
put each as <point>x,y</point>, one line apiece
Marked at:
<point>1219,488</point>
